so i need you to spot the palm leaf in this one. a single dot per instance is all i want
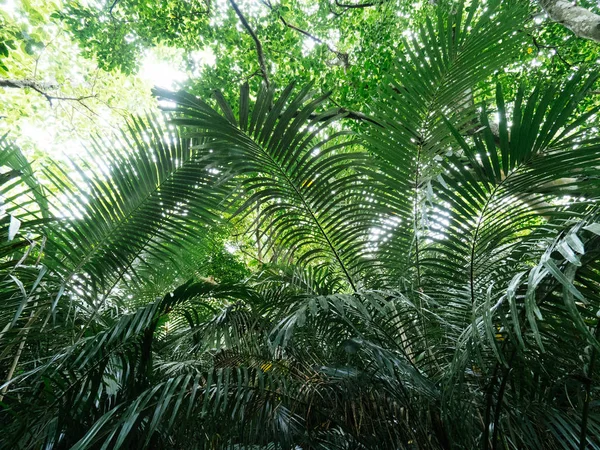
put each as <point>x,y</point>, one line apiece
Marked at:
<point>308,178</point>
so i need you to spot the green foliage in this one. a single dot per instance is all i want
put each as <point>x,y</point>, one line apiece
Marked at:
<point>117,32</point>
<point>267,270</point>
<point>14,38</point>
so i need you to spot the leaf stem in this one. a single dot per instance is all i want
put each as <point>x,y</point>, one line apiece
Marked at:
<point>588,388</point>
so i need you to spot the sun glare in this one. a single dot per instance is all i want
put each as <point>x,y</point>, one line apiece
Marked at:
<point>162,72</point>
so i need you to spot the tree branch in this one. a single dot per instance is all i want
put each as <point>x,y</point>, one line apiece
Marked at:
<point>41,88</point>
<point>343,57</point>
<point>114,3</point>
<point>21,84</point>
<point>551,47</point>
<point>347,114</point>
<point>259,49</point>
<point>359,5</point>
<point>580,21</point>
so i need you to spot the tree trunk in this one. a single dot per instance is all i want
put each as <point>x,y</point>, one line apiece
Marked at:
<point>580,21</point>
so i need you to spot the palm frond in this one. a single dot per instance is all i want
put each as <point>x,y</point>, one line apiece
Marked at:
<point>443,63</point>
<point>308,178</point>
<point>152,198</point>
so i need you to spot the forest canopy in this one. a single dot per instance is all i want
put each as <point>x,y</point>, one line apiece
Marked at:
<point>299,224</point>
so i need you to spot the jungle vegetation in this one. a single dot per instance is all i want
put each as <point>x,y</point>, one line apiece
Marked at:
<point>348,225</point>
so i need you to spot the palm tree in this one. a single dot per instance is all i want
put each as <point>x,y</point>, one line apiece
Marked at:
<point>427,278</point>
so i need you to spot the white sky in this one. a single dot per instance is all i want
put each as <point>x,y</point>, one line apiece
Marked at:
<point>9,6</point>
<point>169,72</point>
<point>160,72</point>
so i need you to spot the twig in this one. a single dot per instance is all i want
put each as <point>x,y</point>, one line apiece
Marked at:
<point>259,49</point>
<point>252,75</point>
<point>335,13</point>
<point>552,47</point>
<point>357,6</point>
<point>343,57</point>
<point>354,115</point>
<point>74,99</point>
<point>347,114</point>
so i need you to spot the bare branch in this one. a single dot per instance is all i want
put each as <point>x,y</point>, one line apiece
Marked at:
<point>580,21</point>
<point>41,88</point>
<point>26,83</point>
<point>259,49</point>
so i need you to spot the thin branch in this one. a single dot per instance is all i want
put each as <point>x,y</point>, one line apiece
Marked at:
<point>335,13</point>
<point>501,391</point>
<point>259,49</point>
<point>41,88</point>
<point>552,47</point>
<point>343,57</point>
<point>110,10</point>
<point>347,114</point>
<point>354,115</point>
<point>74,99</point>
<point>252,75</point>
<point>26,83</point>
<point>113,18</point>
<point>359,5</point>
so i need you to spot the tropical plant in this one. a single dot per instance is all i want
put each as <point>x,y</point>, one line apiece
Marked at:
<point>428,278</point>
